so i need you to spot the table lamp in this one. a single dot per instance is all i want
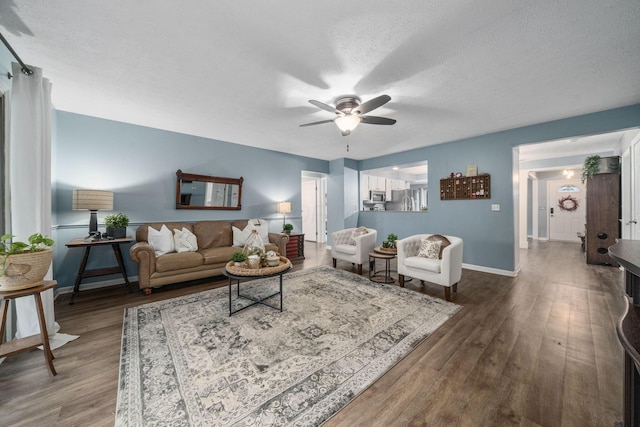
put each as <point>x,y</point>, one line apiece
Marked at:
<point>92,200</point>
<point>284,208</point>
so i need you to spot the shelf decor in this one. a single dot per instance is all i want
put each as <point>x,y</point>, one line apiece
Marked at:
<point>466,187</point>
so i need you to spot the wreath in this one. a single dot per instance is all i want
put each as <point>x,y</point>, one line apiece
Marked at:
<point>568,203</point>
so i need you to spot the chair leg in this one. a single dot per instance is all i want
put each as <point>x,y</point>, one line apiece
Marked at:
<point>335,261</point>
<point>447,293</point>
<point>455,287</point>
<point>401,279</point>
<point>360,269</point>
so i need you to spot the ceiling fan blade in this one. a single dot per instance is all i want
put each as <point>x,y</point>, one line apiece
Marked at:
<point>373,120</point>
<point>325,107</point>
<point>371,104</point>
<point>317,123</point>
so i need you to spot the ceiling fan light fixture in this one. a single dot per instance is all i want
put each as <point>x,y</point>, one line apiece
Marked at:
<point>347,123</point>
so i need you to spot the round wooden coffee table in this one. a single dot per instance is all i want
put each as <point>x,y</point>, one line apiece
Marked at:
<point>387,255</point>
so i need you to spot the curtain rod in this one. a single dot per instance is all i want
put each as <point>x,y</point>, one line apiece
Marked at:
<point>26,70</point>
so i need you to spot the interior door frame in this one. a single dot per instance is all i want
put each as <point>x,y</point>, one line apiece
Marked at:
<point>319,202</point>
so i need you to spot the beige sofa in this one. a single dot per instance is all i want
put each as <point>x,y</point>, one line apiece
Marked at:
<point>215,240</point>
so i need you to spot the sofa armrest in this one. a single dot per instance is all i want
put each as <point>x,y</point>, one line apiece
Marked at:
<point>280,240</point>
<point>145,256</point>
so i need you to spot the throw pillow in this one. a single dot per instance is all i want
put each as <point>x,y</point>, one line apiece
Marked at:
<point>161,241</point>
<point>240,236</point>
<point>184,240</point>
<point>444,242</point>
<point>360,231</point>
<point>429,248</point>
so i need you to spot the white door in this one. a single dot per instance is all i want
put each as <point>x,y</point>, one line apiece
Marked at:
<point>313,209</point>
<point>566,202</point>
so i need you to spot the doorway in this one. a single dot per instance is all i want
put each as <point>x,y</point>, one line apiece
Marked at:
<point>567,212</point>
<point>314,206</point>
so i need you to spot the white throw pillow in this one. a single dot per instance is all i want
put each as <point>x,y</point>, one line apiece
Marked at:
<point>263,229</point>
<point>240,236</point>
<point>184,240</point>
<point>161,241</point>
<point>429,248</point>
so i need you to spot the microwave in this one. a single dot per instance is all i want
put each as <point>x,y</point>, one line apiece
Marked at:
<point>377,196</point>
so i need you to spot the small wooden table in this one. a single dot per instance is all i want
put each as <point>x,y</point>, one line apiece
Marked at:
<point>387,255</point>
<point>27,343</point>
<point>83,272</point>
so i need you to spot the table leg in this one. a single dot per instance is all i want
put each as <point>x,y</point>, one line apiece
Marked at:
<point>230,310</point>
<point>83,265</point>
<point>123,271</point>
<point>280,293</point>
<point>4,308</point>
<point>48,356</point>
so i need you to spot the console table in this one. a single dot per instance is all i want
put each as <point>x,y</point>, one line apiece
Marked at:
<point>27,343</point>
<point>83,272</point>
<point>627,254</point>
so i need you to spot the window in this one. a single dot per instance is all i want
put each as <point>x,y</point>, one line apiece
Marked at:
<point>568,189</point>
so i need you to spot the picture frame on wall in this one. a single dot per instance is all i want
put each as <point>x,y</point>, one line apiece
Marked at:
<point>472,170</point>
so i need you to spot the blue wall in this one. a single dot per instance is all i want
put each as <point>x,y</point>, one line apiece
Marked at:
<point>139,165</point>
<point>488,236</point>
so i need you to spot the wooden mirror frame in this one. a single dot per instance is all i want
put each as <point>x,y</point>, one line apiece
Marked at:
<point>190,177</point>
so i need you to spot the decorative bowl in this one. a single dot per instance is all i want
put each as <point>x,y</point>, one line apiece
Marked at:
<point>273,261</point>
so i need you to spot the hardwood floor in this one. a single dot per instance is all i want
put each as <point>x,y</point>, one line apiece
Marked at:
<point>536,350</point>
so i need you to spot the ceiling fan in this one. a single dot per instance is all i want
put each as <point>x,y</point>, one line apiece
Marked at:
<point>349,112</point>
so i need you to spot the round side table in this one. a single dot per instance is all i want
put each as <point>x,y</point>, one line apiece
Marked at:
<point>373,273</point>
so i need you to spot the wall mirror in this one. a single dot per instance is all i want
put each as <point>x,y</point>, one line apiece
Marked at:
<point>207,192</point>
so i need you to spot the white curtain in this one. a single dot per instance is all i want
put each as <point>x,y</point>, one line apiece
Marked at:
<point>30,180</point>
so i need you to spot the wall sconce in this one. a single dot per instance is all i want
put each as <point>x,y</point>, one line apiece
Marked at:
<point>284,208</point>
<point>92,200</point>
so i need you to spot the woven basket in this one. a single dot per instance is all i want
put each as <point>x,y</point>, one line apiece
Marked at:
<point>22,271</point>
<point>264,271</point>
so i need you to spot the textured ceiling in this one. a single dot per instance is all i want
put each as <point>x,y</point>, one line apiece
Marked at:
<point>243,71</point>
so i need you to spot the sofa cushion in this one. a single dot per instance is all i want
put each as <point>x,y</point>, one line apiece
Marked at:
<point>240,236</point>
<point>218,255</point>
<point>346,249</point>
<point>213,234</point>
<point>184,240</point>
<point>177,261</point>
<point>160,240</point>
<point>423,263</point>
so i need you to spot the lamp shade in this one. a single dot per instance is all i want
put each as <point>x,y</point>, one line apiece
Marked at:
<point>284,207</point>
<point>92,200</point>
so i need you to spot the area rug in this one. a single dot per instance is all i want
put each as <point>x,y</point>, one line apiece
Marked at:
<point>186,362</point>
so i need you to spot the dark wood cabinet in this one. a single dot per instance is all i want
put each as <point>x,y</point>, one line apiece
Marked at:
<point>295,246</point>
<point>603,214</point>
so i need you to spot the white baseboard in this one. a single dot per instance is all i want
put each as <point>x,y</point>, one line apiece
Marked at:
<point>491,270</point>
<point>94,285</point>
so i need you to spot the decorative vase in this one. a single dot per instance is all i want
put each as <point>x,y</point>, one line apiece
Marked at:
<point>117,232</point>
<point>254,245</point>
<point>253,261</point>
<point>239,264</point>
<point>22,271</point>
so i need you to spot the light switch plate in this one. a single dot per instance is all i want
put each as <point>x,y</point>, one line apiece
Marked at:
<point>495,207</point>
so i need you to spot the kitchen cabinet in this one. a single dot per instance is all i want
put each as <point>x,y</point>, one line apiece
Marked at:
<point>395,184</point>
<point>377,183</point>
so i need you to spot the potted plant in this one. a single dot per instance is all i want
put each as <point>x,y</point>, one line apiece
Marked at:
<point>116,225</point>
<point>287,228</point>
<point>238,258</point>
<point>590,167</point>
<point>391,240</point>
<point>24,265</point>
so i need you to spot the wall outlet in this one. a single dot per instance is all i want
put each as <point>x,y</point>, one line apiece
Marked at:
<point>495,207</point>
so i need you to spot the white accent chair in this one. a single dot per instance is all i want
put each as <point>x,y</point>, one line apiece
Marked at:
<point>445,272</point>
<point>358,254</point>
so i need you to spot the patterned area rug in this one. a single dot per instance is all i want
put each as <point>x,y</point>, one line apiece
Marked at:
<point>185,362</point>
